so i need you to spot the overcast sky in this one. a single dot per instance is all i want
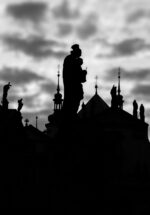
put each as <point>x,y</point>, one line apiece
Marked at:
<point>35,36</point>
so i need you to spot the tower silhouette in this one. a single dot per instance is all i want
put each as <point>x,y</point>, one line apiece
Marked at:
<point>96,86</point>
<point>56,117</point>
<point>119,76</point>
<point>58,101</point>
<point>119,96</point>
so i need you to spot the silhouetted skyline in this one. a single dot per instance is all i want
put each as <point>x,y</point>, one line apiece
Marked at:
<point>75,105</point>
<point>36,36</point>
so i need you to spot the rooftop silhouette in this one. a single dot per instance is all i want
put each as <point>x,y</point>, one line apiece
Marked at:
<point>80,153</point>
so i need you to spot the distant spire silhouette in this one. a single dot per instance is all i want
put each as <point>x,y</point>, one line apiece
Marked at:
<point>119,96</point>
<point>58,75</point>
<point>58,96</point>
<point>119,76</point>
<point>96,85</point>
<point>37,122</point>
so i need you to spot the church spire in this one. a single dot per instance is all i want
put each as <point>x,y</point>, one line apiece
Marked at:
<point>36,124</point>
<point>58,75</point>
<point>120,100</point>
<point>96,86</point>
<point>119,76</point>
<point>58,96</point>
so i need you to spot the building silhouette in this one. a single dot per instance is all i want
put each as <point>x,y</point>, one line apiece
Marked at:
<point>107,143</point>
<point>103,152</point>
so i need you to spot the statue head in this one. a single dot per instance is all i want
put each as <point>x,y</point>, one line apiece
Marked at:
<point>75,46</point>
<point>76,51</point>
<point>7,86</point>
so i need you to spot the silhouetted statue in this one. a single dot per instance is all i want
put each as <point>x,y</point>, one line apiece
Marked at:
<point>20,104</point>
<point>73,77</point>
<point>5,93</point>
<point>135,109</point>
<point>142,112</point>
<point>5,89</point>
<point>113,93</point>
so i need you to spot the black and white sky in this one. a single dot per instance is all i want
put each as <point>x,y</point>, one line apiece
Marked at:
<point>35,37</point>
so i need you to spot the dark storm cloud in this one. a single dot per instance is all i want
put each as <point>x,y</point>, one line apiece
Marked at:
<point>27,11</point>
<point>101,41</point>
<point>86,30</point>
<point>35,47</point>
<point>125,48</point>
<point>138,15</point>
<point>88,27</point>
<point>129,75</point>
<point>19,76</point>
<point>49,87</point>
<point>64,29</point>
<point>63,11</point>
<point>142,90</point>
<point>129,47</point>
<point>28,101</point>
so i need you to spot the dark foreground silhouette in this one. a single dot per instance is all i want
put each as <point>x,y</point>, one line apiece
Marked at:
<point>96,161</point>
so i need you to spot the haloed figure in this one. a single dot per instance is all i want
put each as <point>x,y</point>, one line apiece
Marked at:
<point>73,77</point>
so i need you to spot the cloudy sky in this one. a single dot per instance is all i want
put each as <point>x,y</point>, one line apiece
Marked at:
<point>35,36</point>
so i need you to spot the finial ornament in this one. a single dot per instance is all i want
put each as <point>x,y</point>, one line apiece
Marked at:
<point>58,96</point>
<point>119,77</point>
<point>96,85</point>
<point>58,75</point>
<point>36,121</point>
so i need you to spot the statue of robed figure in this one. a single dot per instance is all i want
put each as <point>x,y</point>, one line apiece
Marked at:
<point>5,93</point>
<point>20,105</point>
<point>73,77</point>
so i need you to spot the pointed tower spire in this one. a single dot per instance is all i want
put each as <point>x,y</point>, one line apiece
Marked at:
<point>36,125</point>
<point>96,86</point>
<point>58,75</point>
<point>119,76</point>
<point>120,100</point>
<point>58,96</point>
